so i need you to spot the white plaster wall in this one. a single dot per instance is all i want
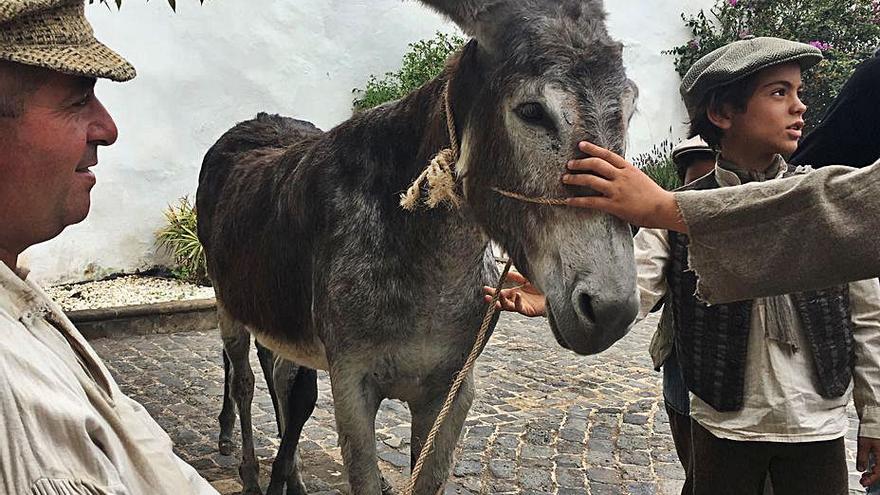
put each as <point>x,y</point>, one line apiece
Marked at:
<point>206,67</point>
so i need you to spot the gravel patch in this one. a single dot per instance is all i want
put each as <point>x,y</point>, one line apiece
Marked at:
<point>125,291</point>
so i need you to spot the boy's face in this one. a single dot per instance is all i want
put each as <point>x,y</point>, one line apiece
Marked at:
<point>774,116</point>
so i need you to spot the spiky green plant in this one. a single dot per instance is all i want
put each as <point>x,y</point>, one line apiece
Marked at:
<point>180,239</point>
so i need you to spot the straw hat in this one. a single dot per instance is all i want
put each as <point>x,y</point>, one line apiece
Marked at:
<point>56,35</point>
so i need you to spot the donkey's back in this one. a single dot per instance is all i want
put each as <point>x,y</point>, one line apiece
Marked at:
<point>244,182</point>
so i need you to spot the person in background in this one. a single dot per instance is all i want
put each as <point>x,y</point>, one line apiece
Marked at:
<point>67,427</point>
<point>849,132</point>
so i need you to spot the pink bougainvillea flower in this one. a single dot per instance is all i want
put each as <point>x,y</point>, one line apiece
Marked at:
<point>821,45</point>
<point>732,2</point>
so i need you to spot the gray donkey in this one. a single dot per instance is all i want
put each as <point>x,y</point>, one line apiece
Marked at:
<point>309,249</point>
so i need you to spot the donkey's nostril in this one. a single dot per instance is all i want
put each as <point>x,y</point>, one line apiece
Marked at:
<point>586,306</point>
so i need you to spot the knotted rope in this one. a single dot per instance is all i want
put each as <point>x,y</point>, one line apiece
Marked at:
<point>482,337</point>
<point>440,172</point>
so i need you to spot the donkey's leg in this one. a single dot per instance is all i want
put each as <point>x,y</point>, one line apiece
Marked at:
<point>237,344</point>
<point>267,363</point>
<point>356,401</point>
<point>227,413</point>
<point>436,467</point>
<point>297,389</point>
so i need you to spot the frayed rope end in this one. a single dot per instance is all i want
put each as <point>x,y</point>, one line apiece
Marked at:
<point>441,184</point>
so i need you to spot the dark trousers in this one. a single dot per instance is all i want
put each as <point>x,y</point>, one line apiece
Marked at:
<point>680,424</point>
<point>729,467</point>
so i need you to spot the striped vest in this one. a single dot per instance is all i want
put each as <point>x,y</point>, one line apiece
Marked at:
<point>711,341</point>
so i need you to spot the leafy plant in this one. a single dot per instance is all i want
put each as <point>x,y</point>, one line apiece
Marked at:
<point>847,32</point>
<point>658,165</point>
<point>423,62</point>
<point>180,239</point>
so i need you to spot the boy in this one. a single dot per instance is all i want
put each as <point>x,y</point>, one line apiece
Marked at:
<point>769,378</point>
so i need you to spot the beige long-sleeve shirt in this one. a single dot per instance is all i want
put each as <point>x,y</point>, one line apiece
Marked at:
<point>65,426</point>
<point>805,232</point>
<point>781,402</point>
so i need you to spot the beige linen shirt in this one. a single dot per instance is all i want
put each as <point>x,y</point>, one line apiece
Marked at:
<point>805,232</point>
<point>66,428</point>
<point>781,402</point>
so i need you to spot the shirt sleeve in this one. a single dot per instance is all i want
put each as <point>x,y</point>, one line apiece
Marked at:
<point>67,487</point>
<point>46,447</point>
<point>652,256</point>
<point>799,233</point>
<point>865,307</point>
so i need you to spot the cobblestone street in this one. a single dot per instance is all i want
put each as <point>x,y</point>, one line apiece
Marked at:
<point>544,420</point>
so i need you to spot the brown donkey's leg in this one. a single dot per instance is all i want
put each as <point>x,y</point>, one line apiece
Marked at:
<point>436,467</point>
<point>297,393</point>
<point>236,345</point>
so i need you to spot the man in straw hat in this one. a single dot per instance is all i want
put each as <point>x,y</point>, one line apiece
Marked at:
<point>67,428</point>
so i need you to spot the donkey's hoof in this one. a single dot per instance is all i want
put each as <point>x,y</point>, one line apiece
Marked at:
<point>251,490</point>
<point>296,488</point>
<point>386,486</point>
<point>225,447</point>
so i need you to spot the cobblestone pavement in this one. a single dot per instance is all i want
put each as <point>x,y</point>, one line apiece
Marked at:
<point>544,420</point>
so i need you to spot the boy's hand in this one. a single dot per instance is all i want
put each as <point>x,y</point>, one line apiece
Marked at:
<point>525,299</point>
<point>867,446</point>
<point>626,191</point>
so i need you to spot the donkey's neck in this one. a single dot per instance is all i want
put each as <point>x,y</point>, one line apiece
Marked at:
<point>375,157</point>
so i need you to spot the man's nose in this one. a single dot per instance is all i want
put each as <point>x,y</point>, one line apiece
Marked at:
<point>102,130</point>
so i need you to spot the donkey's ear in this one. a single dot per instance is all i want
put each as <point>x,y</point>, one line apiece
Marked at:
<point>480,19</point>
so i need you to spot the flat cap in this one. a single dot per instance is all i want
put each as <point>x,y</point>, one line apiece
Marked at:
<point>689,147</point>
<point>738,60</point>
<point>56,35</point>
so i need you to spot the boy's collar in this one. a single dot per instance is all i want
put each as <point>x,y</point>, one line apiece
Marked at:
<point>728,173</point>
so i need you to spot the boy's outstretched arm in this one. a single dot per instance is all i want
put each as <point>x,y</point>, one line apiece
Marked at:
<point>804,232</point>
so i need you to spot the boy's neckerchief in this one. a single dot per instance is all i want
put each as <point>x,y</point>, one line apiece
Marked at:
<point>781,315</point>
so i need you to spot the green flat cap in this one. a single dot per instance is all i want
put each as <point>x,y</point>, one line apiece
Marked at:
<point>738,60</point>
<point>56,35</point>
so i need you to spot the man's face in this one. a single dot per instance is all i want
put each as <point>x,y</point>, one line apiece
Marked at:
<point>45,155</point>
<point>773,119</point>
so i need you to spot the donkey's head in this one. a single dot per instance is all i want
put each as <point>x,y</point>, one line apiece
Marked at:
<point>538,77</point>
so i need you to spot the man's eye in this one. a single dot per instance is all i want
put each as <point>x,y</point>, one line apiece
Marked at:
<point>83,101</point>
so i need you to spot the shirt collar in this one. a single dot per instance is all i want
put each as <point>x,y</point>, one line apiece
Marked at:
<point>728,173</point>
<point>18,296</point>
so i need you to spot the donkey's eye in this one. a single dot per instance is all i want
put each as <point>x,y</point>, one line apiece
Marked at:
<point>531,112</point>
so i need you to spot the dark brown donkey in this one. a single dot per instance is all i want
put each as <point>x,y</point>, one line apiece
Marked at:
<point>308,247</point>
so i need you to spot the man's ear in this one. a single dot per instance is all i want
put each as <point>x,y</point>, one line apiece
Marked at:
<point>720,115</point>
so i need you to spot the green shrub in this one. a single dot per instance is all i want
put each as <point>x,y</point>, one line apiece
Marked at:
<point>846,31</point>
<point>179,237</point>
<point>657,164</point>
<point>423,62</point>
